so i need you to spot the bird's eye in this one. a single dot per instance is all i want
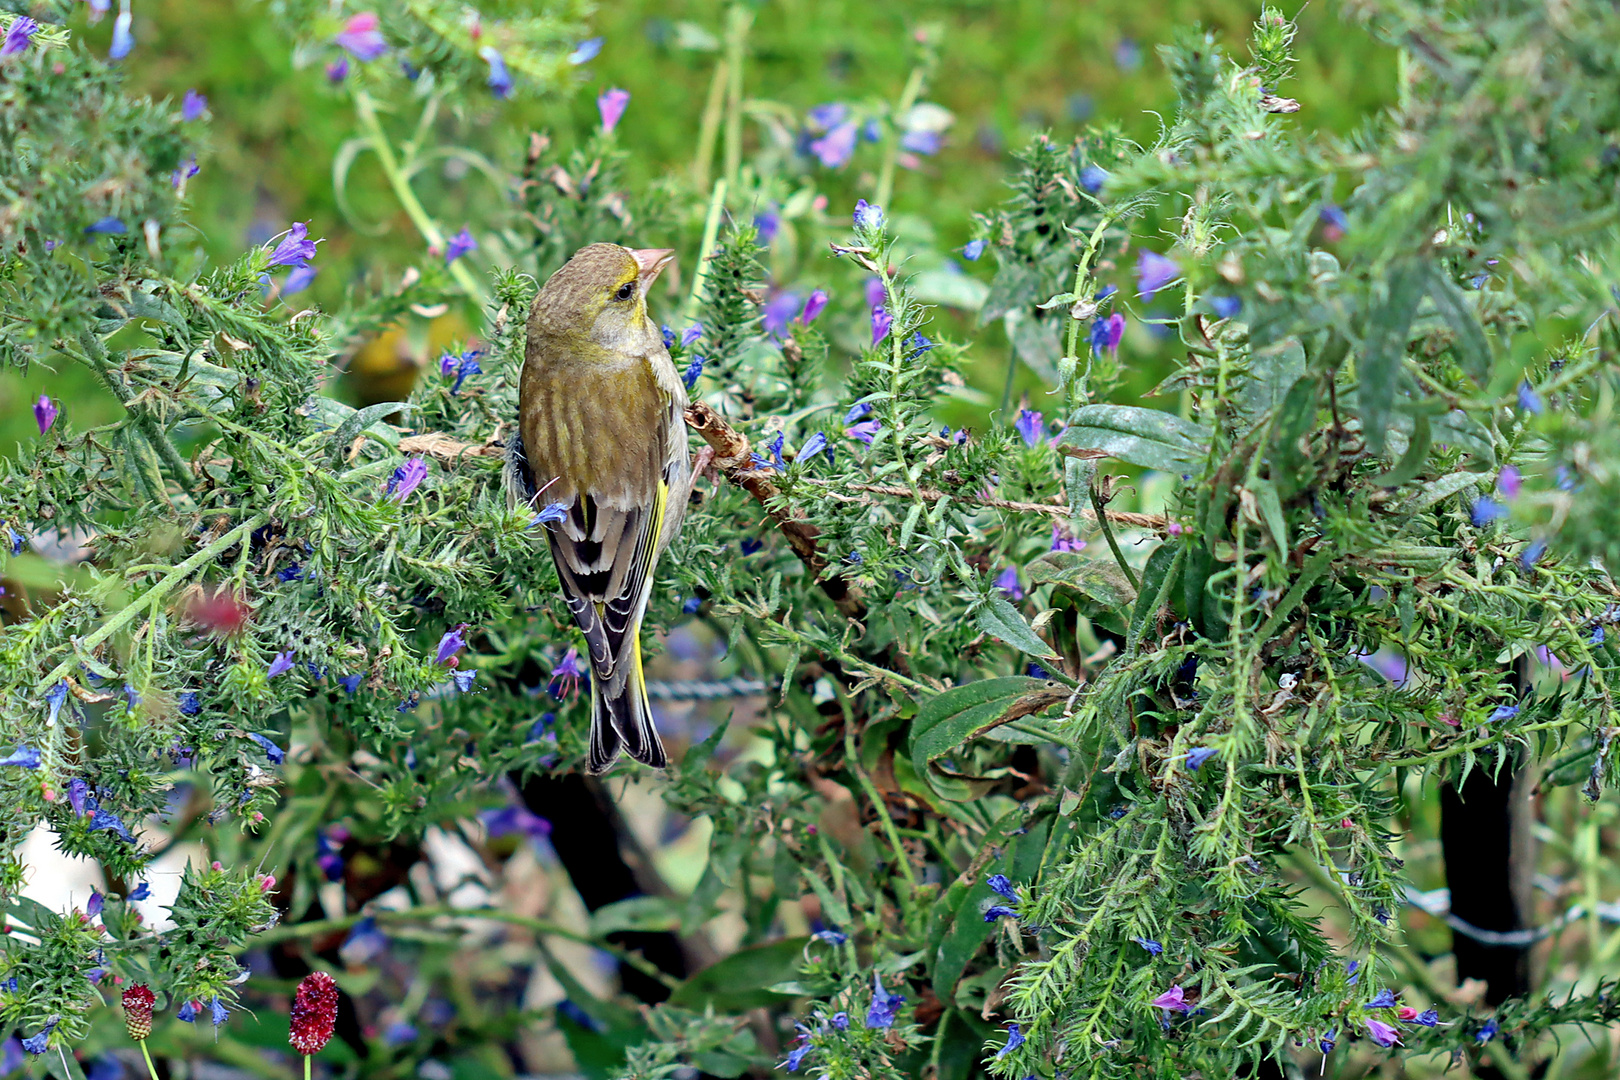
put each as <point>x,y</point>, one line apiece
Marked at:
<point>626,291</point>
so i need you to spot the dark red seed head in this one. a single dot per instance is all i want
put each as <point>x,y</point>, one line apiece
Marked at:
<point>314,1012</point>
<point>138,1002</point>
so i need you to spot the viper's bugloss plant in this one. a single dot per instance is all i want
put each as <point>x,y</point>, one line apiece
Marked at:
<point>1032,784</point>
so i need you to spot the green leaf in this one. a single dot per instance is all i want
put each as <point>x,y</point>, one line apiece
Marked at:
<point>949,289</point>
<point>1473,348</point>
<point>1265,497</point>
<point>742,981</point>
<point>967,930</point>
<point>637,913</point>
<point>362,419</point>
<point>1098,580</point>
<point>1001,620</point>
<point>1147,437</point>
<point>1412,462</point>
<point>963,713</point>
<point>1164,560</point>
<point>1379,369</point>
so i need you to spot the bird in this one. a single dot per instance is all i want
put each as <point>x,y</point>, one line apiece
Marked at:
<point>601,437</point>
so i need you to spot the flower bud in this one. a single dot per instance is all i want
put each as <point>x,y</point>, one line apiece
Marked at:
<point>138,1002</point>
<point>314,1013</point>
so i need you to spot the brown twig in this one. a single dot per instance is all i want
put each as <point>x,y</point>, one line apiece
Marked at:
<point>1141,521</point>
<point>732,454</point>
<point>436,444</point>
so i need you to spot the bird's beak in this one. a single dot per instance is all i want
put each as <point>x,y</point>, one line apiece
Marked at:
<point>652,261</point>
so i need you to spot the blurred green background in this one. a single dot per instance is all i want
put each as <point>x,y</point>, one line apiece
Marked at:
<point>1007,71</point>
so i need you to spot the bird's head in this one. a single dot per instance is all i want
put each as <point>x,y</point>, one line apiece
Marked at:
<point>600,296</point>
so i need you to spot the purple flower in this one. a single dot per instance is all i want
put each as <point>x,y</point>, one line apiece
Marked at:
<point>694,372</point>
<point>35,1044</point>
<point>837,147</point>
<point>1200,754</point>
<point>1015,1039</point>
<point>865,431</point>
<point>217,1012</point>
<point>867,216</point>
<point>360,37</point>
<point>295,248</point>
<point>1172,1000</point>
<point>1031,425</point>
<point>813,306</point>
<point>1382,1033</point>
<point>801,1049</point>
<point>1001,886</point>
<point>406,478</point>
<point>881,322</point>
<point>338,70</point>
<point>1334,223</point>
<point>1226,307</point>
<point>184,172</point>
<point>823,117</point>
<point>586,51</point>
<point>1502,712</point>
<point>611,105</point>
<point>691,334</point>
<point>275,753</point>
<point>298,279</point>
<point>1350,970</point>
<point>187,1012</point>
<point>1384,999</point>
<point>122,40</point>
<point>143,891</point>
<point>44,415</point>
<point>193,106</point>
<point>1597,636</point>
<point>1062,541</point>
<point>918,344</point>
<point>1529,400</point>
<point>920,142</point>
<point>830,936</point>
<point>1107,333</point>
<point>550,514</point>
<point>282,664</point>
<point>77,789</point>
<point>840,1021</point>
<point>1428,1018</point>
<point>568,672</point>
<point>999,911</point>
<point>1153,272</point>
<point>1327,1044</point>
<point>1153,947</point>
<point>515,819</point>
<point>463,366</point>
<point>1127,55</point>
<point>26,756</point>
<point>399,1033</point>
<point>351,683</point>
<point>779,312</point>
<point>459,245</point>
<point>500,80</point>
<point>1533,553</point>
<point>94,905</point>
<point>15,541</point>
<point>451,643</point>
<point>1007,582</point>
<point>107,226</point>
<point>1487,510</point>
<point>1093,177</point>
<point>857,411</point>
<point>17,37</point>
<point>874,292</point>
<point>885,1006</point>
<point>767,223</point>
<point>1509,483</point>
<point>814,445</point>
<point>1486,1033</point>
<point>106,820</point>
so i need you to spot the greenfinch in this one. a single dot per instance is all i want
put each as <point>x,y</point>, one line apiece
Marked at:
<point>601,442</point>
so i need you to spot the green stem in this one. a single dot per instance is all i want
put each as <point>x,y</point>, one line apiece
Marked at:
<point>307,1066</point>
<point>151,1069</point>
<point>876,799</point>
<point>96,352</point>
<point>397,179</point>
<point>1012,377</point>
<point>1113,545</point>
<point>738,20</point>
<point>711,234</point>
<point>709,132</point>
<point>154,594</point>
<point>891,145</point>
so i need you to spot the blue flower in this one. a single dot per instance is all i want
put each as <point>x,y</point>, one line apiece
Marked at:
<point>193,106</point>
<point>122,40</point>
<point>78,793</point>
<point>973,249</point>
<point>918,344</point>
<point>280,665</point>
<point>1226,307</point>
<point>1007,582</point>
<point>885,1006</point>
<point>750,545</point>
<point>106,820</point>
<point>1384,999</point>
<point>1031,425</point>
<point>882,321</point>
<point>815,444</point>
<point>54,697</point>
<point>779,312</point>
<point>409,702</point>
<point>1529,400</point>
<point>825,117</point>
<point>93,906</point>
<point>1488,1032</point>
<point>464,366</point>
<point>107,226</point>
<point>17,37</point>
<point>867,216</point>
<point>1001,886</point>
<point>406,478</point>
<point>1486,510</point>
<point>837,147</point>
<point>35,1044</point>
<point>295,247</point>
<point>1350,970</point>
<point>1093,177</point>
<point>1428,1018</point>
<point>1502,712</point>
<point>351,683</point>
<point>801,1049</point>
<point>9,984</point>
<point>1327,1044</point>
<point>217,1012</point>
<point>1015,1039</point>
<point>463,680</point>
<point>692,604</point>
<point>691,334</point>
<point>830,936</point>
<point>1533,553</point>
<point>452,642</point>
<point>694,372</point>
<point>1334,223</point>
<point>143,891</point>
<point>920,142</point>
<point>840,1021</point>
<point>500,80</point>
<point>459,245</point>
<point>586,51</point>
<point>550,514</point>
<point>669,337</point>
<point>1200,754</point>
<point>999,911</point>
<point>857,411</point>
<point>290,572</point>
<point>1597,636</point>
<point>1153,947</point>
<point>298,280</point>
<point>187,1012</point>
<point>767,223</point>
<point>15,540</point>
<point>275,753</point>
<point>26,756</point>
<point>1154,272</point>
<point>399,1033</point>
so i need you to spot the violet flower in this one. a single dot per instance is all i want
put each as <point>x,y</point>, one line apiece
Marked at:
<point>1153,947</point>
<point>360,37</point>
<point>1509,483</point>
<point>868,216</point>
<point>610,105</point>
<point>837,147</point>
<point>1015,1039</point>
<point>298,279</point>
<point>451,643</point>
<point>1382,1033</point>
<point>18,35</point>
<point>1153,272</point>
<point>295,248</point>
<point>282,664</point>
<point>193,106</point>
<point>779,312</point>
<point>500,80</point>
<point>973,249</point>
<point>691,334</point>
<point>813,306</point>
<point>885,1006</point>
<point>123,41</point>
<point>1031,426</point>
<point>814,445</point>
<point>1529,400</point>
<point>1007,582</point>
<point>1198,755</point>
<point>1001,886</point>
<point>881,322</point>
<point>27,757</point>
<point>1092,178</point>
<point>459,245</point>
<point>586,51</point>
<point>406,478</point>
<point>865,431</point>
<point>338,70</point>
<point>275,753</point>
<point>1172,1000</point>
<point>1384,999</point>
<point>44,413</point>
<point>567,673</point>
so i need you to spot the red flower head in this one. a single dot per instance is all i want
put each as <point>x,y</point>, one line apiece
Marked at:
<point>138,1002</point>
<point>314,1012</point>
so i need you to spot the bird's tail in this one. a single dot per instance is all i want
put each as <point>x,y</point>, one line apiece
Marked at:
<point>623,720</point>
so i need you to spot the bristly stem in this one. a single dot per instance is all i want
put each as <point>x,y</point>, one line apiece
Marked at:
<point>367,110</point>
<point>709,133</point>
<point>711,233</point>
<point>738,20</point>
<point>1113,545</point>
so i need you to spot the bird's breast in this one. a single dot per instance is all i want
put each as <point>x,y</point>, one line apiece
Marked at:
<point>596,428</point>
